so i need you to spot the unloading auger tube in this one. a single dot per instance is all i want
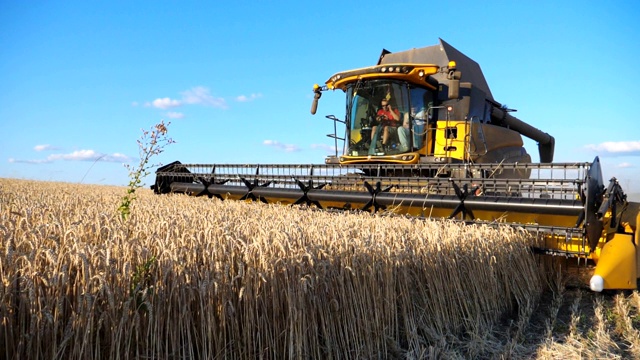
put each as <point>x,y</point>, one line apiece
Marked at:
<point>546,142</point>
<point>566,206</point>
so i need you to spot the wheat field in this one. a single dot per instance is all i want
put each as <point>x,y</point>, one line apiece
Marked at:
<point>199,278</point>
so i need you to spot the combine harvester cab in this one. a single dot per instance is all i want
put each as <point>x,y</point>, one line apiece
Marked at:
<point>446,113</point>
<point>423,136</point>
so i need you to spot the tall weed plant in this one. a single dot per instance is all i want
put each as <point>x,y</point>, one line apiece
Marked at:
<point>151,143</point>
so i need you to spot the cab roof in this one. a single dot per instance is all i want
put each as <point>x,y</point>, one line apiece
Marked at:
<point>440,55</point>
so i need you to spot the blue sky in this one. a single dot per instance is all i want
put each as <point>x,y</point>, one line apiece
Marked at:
<point>79,79</point>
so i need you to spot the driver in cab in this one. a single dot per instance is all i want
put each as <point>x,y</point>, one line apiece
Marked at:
<point>387,117</point>
<point>386,113</point>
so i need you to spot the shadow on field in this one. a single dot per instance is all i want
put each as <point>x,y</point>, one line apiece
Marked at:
<point>573,322</point>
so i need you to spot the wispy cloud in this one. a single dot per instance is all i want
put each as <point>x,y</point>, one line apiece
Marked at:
<point>279,145</point>
<point>175,115</point>
<point>41,161</point>
<point>244,98</point>
<point>200,95</point>
<point>616,148</point>
<point>625,165</point>
<point>79,155</point>
<point>327,148</point>
<point>45,147</point>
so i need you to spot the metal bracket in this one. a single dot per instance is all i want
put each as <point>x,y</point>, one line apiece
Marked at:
<point>614,200</point>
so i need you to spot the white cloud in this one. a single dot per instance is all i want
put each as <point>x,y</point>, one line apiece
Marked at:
<point>79,155</point>
<point>625,165</point>
<point>175,115</point>
<point>45,147</point>
<point>134,103</point>
<point>165,103</point>
<point>116,157</point>
<point>200,95</point>
<point>244,98</point>
<point>325,147</point>
<point>279,145</point>
<point>617,147</point>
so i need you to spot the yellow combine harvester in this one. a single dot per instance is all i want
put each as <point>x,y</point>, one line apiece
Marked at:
<point>423,136</point>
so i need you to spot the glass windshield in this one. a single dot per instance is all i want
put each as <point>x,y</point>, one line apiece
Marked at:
<point>382,117</point>
<point>421,117</point>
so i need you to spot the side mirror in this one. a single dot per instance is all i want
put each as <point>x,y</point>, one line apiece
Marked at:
<point>454,81</point>
<point>454,89</point>
<point>317,90</point>
<point>314,104</point>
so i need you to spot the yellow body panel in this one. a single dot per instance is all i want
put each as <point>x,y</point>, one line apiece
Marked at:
<point>450,139</point>
<point>637,242</point>
<point>617,264</point>
<point>404,158</point>
<point>463,140</point>
<point>417,74</point>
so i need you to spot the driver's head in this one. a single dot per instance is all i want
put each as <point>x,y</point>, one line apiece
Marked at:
<point>384,102</point>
